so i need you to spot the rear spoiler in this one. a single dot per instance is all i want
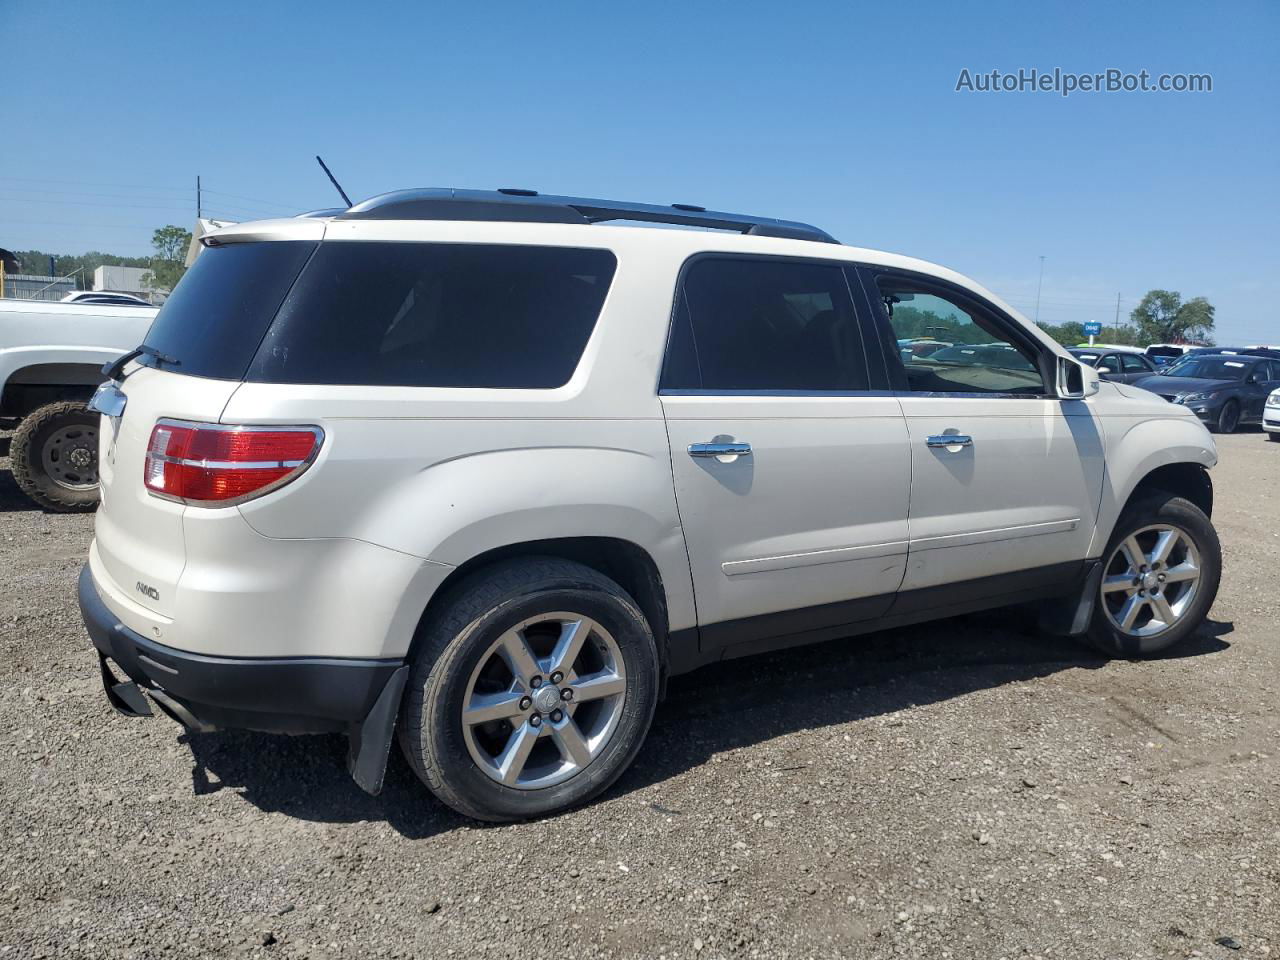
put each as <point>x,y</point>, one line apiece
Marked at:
<point>203,226</point>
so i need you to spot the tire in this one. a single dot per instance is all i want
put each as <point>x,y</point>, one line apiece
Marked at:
<point>1228,418</point>
<point>1273,437</point>
<point>54,457</point>
<point>458,650</point>
<point>1198,546</point>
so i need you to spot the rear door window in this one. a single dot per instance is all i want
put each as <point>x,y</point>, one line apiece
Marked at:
<point>437,315</point>
<point>764,324</point>
<point>215,318</point>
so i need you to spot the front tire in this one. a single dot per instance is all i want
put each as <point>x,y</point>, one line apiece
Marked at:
<point>1160,576</point>
<point>1273,437</point>
<point>531,690</point>
<point>54,457</point>
<point>1228,418</point>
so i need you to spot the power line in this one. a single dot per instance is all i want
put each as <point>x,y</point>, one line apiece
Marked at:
<point>94,203</point>
<point>90,183</point>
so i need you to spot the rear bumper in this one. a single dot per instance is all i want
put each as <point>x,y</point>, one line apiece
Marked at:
<point>277,695</point>
<point>273,695</point>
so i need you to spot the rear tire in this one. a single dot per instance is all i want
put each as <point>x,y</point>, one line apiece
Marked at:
<point>1156,583</point>
<point>466,657</point>
<point>1228,418</point>
<point>54,457</point>
<point>1273,437</point>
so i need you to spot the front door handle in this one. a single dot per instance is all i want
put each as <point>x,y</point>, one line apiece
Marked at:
<point>950,440</point>
<point>732,449</point>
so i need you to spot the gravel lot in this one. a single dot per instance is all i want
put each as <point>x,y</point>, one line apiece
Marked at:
<point>960,789</point>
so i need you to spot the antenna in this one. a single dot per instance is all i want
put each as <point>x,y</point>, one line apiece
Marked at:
<point>334,180</point>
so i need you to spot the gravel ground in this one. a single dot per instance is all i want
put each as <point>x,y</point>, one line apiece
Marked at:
<point>961,789</point>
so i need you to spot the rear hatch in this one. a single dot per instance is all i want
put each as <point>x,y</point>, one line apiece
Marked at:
<point>200,344</point>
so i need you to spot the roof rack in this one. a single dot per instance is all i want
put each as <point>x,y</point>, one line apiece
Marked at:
<point>508,204</point>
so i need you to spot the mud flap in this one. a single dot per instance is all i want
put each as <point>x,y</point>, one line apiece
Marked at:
<point>369,741</point>
<point>125,696</point>
<point>1069,616</point>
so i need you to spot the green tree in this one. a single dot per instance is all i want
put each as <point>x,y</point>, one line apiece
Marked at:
<point>1162,317</point>
<point>169,263</point>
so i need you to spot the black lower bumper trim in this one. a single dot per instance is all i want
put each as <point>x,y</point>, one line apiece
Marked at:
<point>275,695</point>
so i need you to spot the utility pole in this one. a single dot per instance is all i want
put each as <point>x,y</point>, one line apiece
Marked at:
<point>199,207</point>
<point>1039,285</point>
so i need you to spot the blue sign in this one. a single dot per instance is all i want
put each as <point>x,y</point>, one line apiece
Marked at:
<point>1092,329</point>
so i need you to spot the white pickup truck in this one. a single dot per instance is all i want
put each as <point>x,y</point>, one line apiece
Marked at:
<point>51,358</point>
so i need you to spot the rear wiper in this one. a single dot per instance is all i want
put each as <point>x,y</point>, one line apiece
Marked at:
<point>113,369</point>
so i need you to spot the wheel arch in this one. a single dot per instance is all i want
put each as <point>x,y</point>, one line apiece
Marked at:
<point>626,563</point>
<point>33,385</point>
<point>1154,454</point>
<point>1191,481</point>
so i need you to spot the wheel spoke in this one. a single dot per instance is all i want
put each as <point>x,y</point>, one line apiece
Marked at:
<point>594,686</point>
<point>1183,571</point>
<point>573,634</point>
<point>519,657</point>
<point>1122,581</point>
<point>573,746</point>
<point>1137,558</point>
<point>1166,540</point>
<point>1129,612</point>
<point>484,707</point>
<point>512,759</point>
<point>1164,612</point>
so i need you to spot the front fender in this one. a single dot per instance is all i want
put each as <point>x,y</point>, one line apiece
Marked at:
<point>1137,447</point>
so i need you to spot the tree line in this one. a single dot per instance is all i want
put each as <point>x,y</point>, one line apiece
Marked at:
<point>165,267</point>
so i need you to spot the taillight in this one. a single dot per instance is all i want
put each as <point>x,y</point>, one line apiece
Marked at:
<point>205,463</point>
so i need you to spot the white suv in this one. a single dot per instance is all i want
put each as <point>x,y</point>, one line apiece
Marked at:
<point>474,469</point>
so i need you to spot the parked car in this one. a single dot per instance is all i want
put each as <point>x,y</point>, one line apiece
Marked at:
<point>1112,363</point>
<point>1163,353</point>
<point>51,359</point>
<point>910,347</point>
<point>1237,351</point>
<point>1223,390</point>
<point>1271,416</point>
<point>418,470</point>
<point>105,298</point>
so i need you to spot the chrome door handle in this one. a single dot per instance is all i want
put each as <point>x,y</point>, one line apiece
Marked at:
<point>950,440</point>
<point>737,449</point>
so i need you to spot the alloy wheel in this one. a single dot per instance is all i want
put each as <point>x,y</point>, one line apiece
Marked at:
<point>544,700</point>
<point>1150,580</point>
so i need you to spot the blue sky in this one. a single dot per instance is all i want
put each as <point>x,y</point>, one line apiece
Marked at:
<point>843,114</point>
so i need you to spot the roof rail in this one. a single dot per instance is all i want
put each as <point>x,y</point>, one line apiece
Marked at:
<point>508,204</point>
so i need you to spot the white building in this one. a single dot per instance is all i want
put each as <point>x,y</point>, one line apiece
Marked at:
<point>126,280</point>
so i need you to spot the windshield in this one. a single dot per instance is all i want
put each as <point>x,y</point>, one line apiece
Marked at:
<point>1208,368</point>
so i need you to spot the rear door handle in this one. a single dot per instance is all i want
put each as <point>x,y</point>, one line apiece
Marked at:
<point>735,449</point>
<point>950,440</point>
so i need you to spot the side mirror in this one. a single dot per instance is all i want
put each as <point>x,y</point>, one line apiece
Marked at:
<point>1075,380</point>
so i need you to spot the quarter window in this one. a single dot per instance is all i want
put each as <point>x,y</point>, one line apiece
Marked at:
<point>977,355</point>
<point>764,324</point>
<point>436,315</point>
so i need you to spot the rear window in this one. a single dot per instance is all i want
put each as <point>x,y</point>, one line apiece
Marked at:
<point>217,315</point>
<point>436,315</point>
